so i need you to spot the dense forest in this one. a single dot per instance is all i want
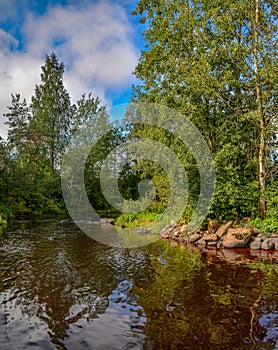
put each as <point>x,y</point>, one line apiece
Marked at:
<point>37,137</point>
<point>213,61</point>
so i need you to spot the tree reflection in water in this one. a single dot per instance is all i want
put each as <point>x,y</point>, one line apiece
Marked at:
<point>60,289</point>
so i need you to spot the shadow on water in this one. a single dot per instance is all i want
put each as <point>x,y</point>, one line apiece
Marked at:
<point>60,289</point>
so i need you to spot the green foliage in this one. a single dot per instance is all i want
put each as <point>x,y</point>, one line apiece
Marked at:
<point>267,226</point>
<point>238,200</point>
<point>54,207</point>
<point>199,59</point>
<point>51,113</point>
<point>272,199</point>
<point>30,181</point>
<point>3,221</point>
<point>269,270</point>
<point>136,219</point>
<point>270,224</point>
<point>5,212</point>
<point>18,119</point>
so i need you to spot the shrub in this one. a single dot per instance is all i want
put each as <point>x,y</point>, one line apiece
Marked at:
<point>267,226</point>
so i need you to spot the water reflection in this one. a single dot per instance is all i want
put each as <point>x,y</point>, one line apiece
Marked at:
<point>60,289</point>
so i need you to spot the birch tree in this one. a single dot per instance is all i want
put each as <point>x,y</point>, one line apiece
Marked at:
<point>216,62</point>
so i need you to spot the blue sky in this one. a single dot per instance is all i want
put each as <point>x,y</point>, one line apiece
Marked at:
<point>98,41</point>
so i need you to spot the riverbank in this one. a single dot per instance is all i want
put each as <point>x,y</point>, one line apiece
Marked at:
<point>221,235</point>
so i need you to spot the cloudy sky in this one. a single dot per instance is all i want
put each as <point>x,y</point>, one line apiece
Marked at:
<point>98,41</point>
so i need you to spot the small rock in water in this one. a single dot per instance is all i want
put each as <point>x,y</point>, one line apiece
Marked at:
<point>256,244</point>
<point>201,242</point>
<point>65,221</point>
<point>142,231</point>
<point>220,244</point>
<point>93,222</point>
<point>195,237</point>
<point>212,243</point>
<point>166,231</point>
<point>108,221</point>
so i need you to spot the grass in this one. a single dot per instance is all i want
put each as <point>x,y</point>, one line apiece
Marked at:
<point>136,219</point>
<point>3,222</point>
<point>5,214</point>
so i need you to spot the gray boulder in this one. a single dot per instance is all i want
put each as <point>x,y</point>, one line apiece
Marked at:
<point>256,244</point>
<point>270,243</point>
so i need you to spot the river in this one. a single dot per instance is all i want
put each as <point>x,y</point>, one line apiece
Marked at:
<point>59,289</point>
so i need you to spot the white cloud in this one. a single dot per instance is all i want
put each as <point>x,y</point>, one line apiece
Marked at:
<point>10,8</point>
<point>19,73</point>
<point>93,40</point>
<point>7,41</point>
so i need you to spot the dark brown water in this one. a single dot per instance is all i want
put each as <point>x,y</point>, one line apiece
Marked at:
<point>60,289</point>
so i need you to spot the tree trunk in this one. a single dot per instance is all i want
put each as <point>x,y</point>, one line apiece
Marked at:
<point>262,151</point>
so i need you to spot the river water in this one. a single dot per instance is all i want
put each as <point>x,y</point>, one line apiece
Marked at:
<point>59,289</point>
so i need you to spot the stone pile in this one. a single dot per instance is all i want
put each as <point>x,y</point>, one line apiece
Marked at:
<point>221,236</point>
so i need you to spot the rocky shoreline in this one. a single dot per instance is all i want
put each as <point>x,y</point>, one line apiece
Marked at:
<point>214,238</point>
<point>221,236</point>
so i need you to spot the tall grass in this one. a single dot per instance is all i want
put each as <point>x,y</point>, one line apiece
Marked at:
<point>136,219</point>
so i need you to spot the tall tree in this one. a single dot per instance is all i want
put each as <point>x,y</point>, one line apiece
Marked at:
<point>51,111</point>
<point>18,119</point>
<point>3,171</point>
<point>216,62</point>
<point>264,26</point>
<point>95,136</point>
